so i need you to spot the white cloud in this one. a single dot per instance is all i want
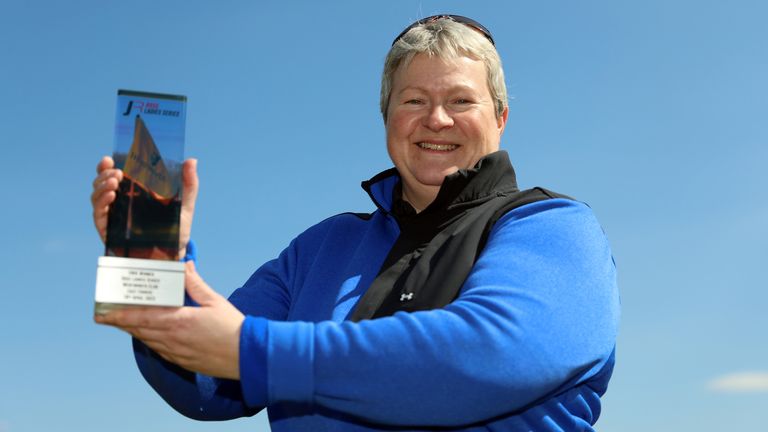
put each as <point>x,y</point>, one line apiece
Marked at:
<point>742,382</point>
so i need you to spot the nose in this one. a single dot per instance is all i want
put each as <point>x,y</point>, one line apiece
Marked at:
<point>438,118</point>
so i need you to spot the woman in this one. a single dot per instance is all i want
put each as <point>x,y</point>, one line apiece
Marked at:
<point>459,303</point>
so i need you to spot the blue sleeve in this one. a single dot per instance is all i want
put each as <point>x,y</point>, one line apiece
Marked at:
<point>194,395</point>
<point>190,254</point>
<point>537,315</point>
<point>203,397</point>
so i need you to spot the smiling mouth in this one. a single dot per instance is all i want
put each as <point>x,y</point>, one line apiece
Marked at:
<point>437,147</point>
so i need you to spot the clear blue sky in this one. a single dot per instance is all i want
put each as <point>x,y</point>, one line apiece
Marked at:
<point>652,112</point>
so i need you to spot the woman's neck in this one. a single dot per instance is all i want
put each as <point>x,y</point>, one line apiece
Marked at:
<point>421,198</point>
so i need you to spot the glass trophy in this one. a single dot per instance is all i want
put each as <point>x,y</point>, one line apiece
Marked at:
<point>141,264</point>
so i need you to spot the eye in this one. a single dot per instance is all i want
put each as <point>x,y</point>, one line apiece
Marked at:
<point>462,101</point>
<point>413,102</point>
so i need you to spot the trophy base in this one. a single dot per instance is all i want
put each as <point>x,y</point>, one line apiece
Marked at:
<point>105,308</point>
<point>125,282</point>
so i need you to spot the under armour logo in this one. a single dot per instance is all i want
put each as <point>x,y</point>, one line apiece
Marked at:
<point>404,297</point>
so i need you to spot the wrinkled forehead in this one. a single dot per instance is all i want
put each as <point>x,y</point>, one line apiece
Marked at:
<point>437,75</point>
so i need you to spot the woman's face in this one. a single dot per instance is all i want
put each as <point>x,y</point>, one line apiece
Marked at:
<point>441,118</point>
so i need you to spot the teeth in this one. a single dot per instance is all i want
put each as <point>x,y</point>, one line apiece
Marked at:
<point>439,147</point>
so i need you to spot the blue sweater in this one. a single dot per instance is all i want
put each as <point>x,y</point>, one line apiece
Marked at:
<point>527,346</point>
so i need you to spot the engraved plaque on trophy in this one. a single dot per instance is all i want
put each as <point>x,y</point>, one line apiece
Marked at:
<point>141,263</point>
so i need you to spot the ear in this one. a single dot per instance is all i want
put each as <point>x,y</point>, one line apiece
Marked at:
<point>501,121</point>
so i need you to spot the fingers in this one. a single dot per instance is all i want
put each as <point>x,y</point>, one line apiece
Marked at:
<point>106,175</point>
<point>104,186</point>
<point>129,319</point>
<point>105,163</point>
<point>162,342</point>
<point>196,287</point>
<point>104,192</point>
<point>158,328</point>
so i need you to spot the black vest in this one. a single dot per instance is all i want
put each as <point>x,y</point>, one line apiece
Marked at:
<point>437,248</point>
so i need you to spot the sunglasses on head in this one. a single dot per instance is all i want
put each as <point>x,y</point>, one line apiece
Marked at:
<point>469,22</point>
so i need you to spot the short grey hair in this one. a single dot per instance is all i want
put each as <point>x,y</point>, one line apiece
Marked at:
<point>448,40</point>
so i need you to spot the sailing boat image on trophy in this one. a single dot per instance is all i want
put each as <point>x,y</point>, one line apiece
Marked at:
<point>144,219</point>
<point>141,263</point>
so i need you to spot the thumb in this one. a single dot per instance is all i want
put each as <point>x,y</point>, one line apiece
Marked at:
<point>196,287</point>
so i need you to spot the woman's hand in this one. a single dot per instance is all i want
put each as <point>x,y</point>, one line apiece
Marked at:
<point>105,191</point>
<point>203,339</point>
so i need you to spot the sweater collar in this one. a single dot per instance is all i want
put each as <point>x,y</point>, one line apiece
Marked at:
<point>493,174</point>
